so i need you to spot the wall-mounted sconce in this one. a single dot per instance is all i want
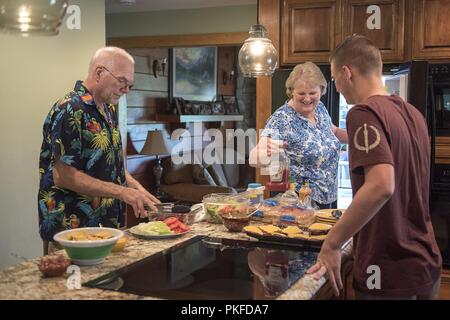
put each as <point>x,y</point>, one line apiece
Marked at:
<point>228,76</point>
<point>163,65</point>
<point>159,67</point>
<point>156,68</point>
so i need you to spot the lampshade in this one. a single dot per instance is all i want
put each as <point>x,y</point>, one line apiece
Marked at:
<point>156,144</point>
<point>258,56</point>
<point>26,17</point>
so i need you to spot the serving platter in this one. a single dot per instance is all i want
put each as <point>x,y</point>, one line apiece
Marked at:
<point>305,241</point>
<point>138,234</point>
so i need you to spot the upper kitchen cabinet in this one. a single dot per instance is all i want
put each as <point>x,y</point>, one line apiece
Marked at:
<point>431,36</point>
<point>382,21</point>
<point>310,30</point>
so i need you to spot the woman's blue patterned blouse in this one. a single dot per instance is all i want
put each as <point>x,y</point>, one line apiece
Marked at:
<point>313,151</point>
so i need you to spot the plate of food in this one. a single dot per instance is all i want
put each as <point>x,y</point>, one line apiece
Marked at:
<point>314,234</point>
<point>169,228</point>
<point>329,215</point>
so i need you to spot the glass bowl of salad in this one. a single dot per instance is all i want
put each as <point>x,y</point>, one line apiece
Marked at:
<point>212,203</point>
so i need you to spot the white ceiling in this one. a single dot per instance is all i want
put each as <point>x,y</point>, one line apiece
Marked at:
<point>115,6</point>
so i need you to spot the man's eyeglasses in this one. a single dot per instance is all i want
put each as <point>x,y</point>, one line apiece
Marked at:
<point>122,80</point>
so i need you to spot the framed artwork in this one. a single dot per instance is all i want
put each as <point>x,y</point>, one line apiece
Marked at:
<point>230,104</point>
<point>205,108</point>
<point>194,73</point>
<point>218,107</point>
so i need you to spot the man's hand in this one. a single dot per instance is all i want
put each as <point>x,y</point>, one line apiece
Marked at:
<point>328,261</point>
<point>148,194</point>
<point>138,199</point>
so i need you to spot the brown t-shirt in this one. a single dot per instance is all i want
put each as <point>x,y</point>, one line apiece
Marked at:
<point>399,238</point>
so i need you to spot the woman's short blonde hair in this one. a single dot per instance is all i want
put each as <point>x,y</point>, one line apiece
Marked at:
<point>309,73</point>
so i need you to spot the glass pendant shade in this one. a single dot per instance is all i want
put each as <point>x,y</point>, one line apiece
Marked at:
<point>258,56</point>
<point>27,17</point>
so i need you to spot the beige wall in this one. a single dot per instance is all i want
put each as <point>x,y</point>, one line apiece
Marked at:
<point>189,21</point>
<point>34,73</point>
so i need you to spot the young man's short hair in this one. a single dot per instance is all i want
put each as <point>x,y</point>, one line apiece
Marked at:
<point>359,52</point>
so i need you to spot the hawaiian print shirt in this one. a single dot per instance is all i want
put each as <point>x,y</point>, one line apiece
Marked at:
<point>77,133</point>
<point>313,150</point>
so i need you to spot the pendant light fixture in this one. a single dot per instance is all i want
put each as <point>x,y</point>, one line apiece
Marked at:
<point>29,17</point>
<point>258,56</point>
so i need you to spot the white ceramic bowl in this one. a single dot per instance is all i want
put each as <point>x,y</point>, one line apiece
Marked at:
<point>88,252</point>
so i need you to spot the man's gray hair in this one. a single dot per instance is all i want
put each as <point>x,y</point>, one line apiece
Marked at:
<point>107,56</point>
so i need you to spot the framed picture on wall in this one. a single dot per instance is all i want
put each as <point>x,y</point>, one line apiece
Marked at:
<point>217,107</point>
<point>194,73</point>
<point>230,104</point>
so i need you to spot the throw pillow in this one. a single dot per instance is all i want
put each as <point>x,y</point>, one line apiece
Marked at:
<point>178,173</point>
<point>216,172</point>
<point>202,176</point>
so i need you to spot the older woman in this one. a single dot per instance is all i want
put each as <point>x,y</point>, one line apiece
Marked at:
<point>303,127</point>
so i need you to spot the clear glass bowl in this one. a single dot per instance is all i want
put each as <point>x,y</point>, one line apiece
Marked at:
<point>212,203</point>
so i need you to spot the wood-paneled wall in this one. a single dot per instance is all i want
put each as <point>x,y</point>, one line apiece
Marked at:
<point>149,96</point>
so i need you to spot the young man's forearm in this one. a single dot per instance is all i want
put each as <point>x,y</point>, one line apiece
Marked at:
<point>68,177</point>
<point>369,199</point>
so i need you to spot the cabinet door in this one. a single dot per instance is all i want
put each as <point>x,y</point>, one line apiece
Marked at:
<point>310,30</point>
<point>388,35</point>
<point>431,36</point>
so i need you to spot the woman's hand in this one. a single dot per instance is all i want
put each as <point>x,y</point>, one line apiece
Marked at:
<point>260,155</point>
<point>275,146</point>
<point>340,133</point>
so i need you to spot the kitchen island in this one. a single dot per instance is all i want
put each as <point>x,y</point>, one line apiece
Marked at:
<point>24,281</point>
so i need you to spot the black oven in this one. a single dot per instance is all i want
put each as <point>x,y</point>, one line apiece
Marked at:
<point>440,76</point>
<point>440,209</point>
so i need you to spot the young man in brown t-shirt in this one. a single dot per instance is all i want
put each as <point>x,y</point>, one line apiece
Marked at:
<point>395,251</point>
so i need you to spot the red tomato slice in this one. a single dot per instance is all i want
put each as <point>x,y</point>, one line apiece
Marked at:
<point>174,225</point>
<point>170,220</point>
<point>183,227</point>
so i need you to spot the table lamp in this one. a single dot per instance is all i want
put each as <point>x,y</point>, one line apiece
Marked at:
<point>157,145</point>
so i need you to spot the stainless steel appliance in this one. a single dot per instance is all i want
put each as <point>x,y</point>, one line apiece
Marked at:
<point>213,268</point>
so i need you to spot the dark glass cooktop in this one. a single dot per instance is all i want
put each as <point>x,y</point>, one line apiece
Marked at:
<point>213,268</point>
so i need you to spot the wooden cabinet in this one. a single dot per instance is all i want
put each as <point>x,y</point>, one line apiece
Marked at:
<point>310,30</point>
<point>444,290</point>
<point>443,150</point>
<point>388,34</point>
<point>430,26</point>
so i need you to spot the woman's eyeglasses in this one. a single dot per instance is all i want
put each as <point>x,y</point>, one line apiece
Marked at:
<point>122,80</point>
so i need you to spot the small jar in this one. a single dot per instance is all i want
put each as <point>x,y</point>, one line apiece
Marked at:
<point>256,193</point>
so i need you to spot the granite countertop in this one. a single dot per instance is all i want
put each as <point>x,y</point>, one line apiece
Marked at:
<point>24,281</point>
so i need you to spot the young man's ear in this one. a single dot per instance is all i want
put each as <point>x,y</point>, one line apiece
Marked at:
<point>347,72</point>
